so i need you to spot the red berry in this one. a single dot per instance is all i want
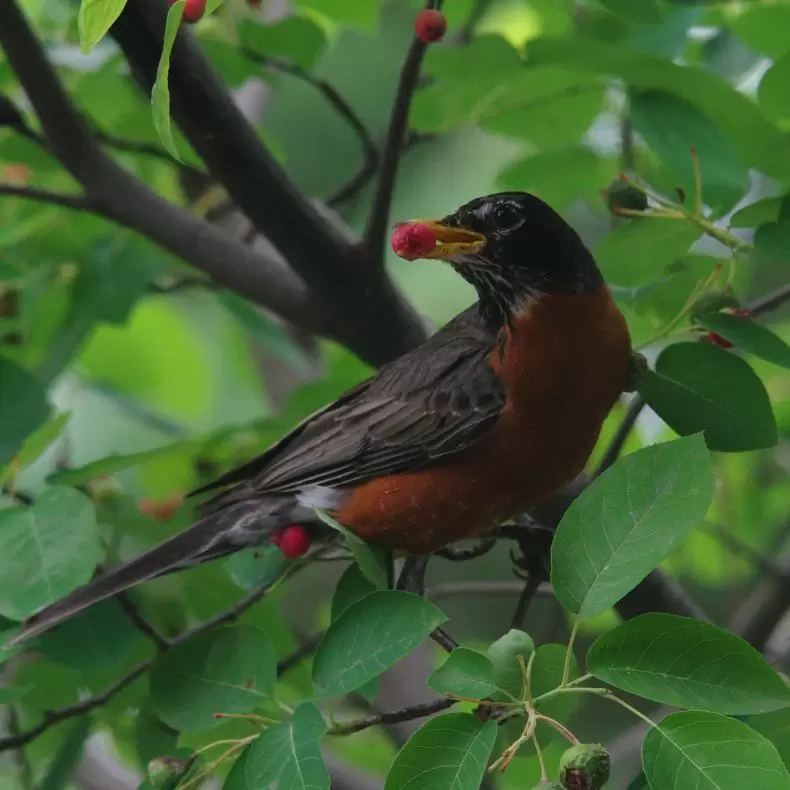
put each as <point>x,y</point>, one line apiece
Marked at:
<point>717,340</point>
<point>193,10</point>
<point>161,509</point>
<point>738,312</point>
<point>412,240</point>
<point>430,25</point>
<point>293,540</point>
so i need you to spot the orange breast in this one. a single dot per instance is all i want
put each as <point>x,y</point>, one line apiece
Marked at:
<point>564,364</point>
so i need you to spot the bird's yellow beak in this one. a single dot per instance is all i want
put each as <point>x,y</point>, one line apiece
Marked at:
<point>451,242</point>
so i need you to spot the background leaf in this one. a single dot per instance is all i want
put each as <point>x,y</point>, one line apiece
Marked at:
<point>625,522</point>
<point>95,19</point>
<point>465,673</point>
<point>699,387</point>
<point>370,636</point>
<point>227,670</point>
<point>747,335</point>
<point>48,549</point>
<point>160,93</point>
<point>710,752</point>
<point>504,655</point>
<point>449,752</point>
<point>687,663</point>
<point>23,408</point>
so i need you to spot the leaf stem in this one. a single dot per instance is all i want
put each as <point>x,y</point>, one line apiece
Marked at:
<point>566,671</point>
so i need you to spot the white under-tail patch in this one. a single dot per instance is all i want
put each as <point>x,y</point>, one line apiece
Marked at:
<point>321,497</point>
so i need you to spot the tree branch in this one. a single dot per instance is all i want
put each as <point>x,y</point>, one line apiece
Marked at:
<point>770,301</point>
<point>376,231</point>
<point>393,717</point>
<point>75,202</point>
<point>368,313</point>
<point>615,447</point>
<point>339,103</point>
<point>140,623</point>
<point>121,197</point>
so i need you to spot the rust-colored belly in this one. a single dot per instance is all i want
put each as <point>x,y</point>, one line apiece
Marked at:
<point>564,365</point>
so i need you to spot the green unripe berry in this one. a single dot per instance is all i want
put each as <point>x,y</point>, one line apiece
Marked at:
<point>164,772</point>
<point>585,766</point>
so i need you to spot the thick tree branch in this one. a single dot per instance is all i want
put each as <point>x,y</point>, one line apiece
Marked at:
<point>119,196</point>
<point>376,231</point>
<point>368,313</point>
<point>615,447</point>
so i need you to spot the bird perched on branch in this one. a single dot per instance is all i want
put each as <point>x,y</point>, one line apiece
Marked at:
<point>493,414</point>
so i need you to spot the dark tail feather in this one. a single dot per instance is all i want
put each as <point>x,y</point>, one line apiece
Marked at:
<point>206,540</point>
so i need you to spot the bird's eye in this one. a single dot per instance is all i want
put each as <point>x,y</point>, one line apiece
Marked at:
<point>506,217</point>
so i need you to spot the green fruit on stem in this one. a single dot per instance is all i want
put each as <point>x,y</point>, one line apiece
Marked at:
<point>622,195</point>
<point>585,766</point>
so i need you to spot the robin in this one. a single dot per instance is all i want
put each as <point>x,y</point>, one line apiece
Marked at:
<point>490,416</point>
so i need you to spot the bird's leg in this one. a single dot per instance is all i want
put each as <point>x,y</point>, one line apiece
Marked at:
<point>412,575</point>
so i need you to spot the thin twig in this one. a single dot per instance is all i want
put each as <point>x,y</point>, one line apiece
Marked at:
<point>145,149</point>
<point>341,105</point>
<point>770,301</point>
<point>76,202</point>
<point>615,447</point>
<point>140,623</point>
<point>378,221</point>
<point>26,779</point>
<point>305,649</point>
<point>444,640</point>
<point>393,717</point>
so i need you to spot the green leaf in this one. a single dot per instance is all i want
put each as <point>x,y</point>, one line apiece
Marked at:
<point>67,758</point>
<point>625,522</point>
<point>35,445</point>
<point>700,387</point>
<point>96,639</point>
<point>371,635</point>
<point>641,249</point>
<point>23,408</point>
<point>645,12</point>
<point>747,335</point>
<point>548,667</point>
<point>115,463</point>
<point>447,753</point>
<point>160,93</point>
<point>774,726</point>
<point>671,126</point>
<point>48,549</point>
<point>560,176</point>
<point>773,241</point>
<point>764,27</point>
<point>706,751</point>
<point>95,18</point>
<point>227,670</point>
<point>297,38</point>
<point>372,560</point>
<point>757,213</point>
<point>358,13</point>
<point>772,94</point>
<point>758,142</point>
<point>287,756</point>
<point>504,654</point>
<point>465,673</point>
<point>10,694</point>
<point>352,586</point>
<point>257,567</point>
<point>687,663</point>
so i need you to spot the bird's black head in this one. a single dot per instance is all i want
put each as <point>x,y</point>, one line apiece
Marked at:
<point>513,247</point>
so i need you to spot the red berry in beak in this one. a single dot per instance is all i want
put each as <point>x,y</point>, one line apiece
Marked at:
<point>412,240</point>
<point>293,541</point>
<point>430,25</point>
<point>717,340</point>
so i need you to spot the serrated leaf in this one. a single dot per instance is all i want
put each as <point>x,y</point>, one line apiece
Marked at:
<point>160,93</point>
<point>465,673</point>
<point>706,751</point>
<point>48,549</point>
<point>95,18</point>
<point>504,655</point>
<point>641,249</point>
<point>35,445</point>
<point>447,753</point>
<point>23,408</point>
<point>372,560</point>
<point>227,670</point>
<point>287,756</point>
<point>687,663</point>
<point>625,522</point>
<point>370,636</point>
<point>700,387</point>
<point>747,335</point>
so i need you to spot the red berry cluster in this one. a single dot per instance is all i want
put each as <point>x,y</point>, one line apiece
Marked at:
<point>430,25</point>
<point>411,240</point>
<point>718,340</point>
<point>293,541</point>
